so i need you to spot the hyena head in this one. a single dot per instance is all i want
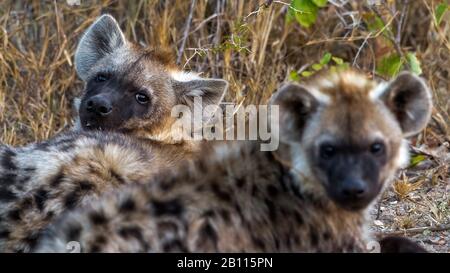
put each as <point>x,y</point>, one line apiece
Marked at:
<point>346,133</point>
<point>132,89</point>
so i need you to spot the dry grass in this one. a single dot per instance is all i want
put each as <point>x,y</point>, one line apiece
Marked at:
<point>246,42</point>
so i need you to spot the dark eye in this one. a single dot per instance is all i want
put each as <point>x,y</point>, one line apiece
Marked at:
<point>142,98</point>
<point>101,77</point>
<point>377,148</point>
<point>327,151</point>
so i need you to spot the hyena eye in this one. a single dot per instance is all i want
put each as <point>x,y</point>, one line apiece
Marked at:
<point>142,98</point>
<point>377,148</point>
<point>327,151</point>
<point>101,77</point>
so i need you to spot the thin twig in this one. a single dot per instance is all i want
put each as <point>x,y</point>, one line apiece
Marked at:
<point>413,230</point>
<point>401,21</point>
<point>186,31</point>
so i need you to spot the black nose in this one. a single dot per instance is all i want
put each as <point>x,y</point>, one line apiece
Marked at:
<point>99,105</point>
<point>354,189</point>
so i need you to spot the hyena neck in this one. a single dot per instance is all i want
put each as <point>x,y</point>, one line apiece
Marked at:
<point>164,138</point>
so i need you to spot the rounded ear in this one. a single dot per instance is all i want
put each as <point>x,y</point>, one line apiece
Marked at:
<point>188,86</point>
<point>100,39</point>
<point>296,106</point>
<point>409,99</point>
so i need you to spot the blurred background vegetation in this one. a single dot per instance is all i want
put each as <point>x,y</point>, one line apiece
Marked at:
<point>255,45</point>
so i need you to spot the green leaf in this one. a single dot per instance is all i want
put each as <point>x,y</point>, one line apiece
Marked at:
<point>416,160</point>
<point>440,11</point>
<point>338,60</point>
<point>320,3</point>
<point>317,67</point>
<point>414,63</point>
<point>390,66</point>
<point>304,11</point>
<point>374,23</point>
<point>344,66</point>
<point>326,58</point>
<point>307,73</point>
<point>293,76</point>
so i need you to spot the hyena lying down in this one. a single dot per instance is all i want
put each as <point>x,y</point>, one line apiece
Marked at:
<point>342,141</point>
<point>130,90</point>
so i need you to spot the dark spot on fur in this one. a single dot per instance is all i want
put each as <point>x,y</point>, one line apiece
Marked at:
<point>240,182</point>
<point>277,243</point>
<point>23,180</point>
<point>167,185</point>
<point>221,194</point>
<point>326,235</point>
<point>127,205</point>
<point>26,203</point>
<point>7,161</point>
<point>8,179</point>
<point>272,191</point>
<point>200,188</point>
<point>271,207</point>
<point>66,147</point>
<point>259,243</point>
<point>299,218</point>
<point>71,200</point>
<point>167,227</point>
<point>4,233</point>
<point>86,186</point>
<point>237,207</point>
<point>255,190</point>
<point>40,197</point>
<point>95,248</point>
<point>15,215</point>
<point>32,239</point>
<point>100,240</point>
<point>74,232</point>
<point>118,177</point>
<point>57,179</point>
<point>225,215</point>
<point>43,146</point>
<point>209,213</point>
<point>30,169</point>
<point>172,207</point>
<point>133,232</point>
<point>98,218</point>
<point>127,232</point>
<point>208,232</point>
<point>313,236</point>
<point>174,246</point>
<point>49,215</point>
<point>202,167</point>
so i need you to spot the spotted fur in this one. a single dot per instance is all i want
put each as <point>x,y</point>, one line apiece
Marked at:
<point>42,180</point>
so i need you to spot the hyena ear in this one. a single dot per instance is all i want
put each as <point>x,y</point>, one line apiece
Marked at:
<point>409,99</point>
<point>189,87</point>
<point>296,106</point>
<point>101,38</point>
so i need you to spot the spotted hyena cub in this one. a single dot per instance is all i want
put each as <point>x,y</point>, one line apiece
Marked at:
<point>342,140</point>
<point>125,136</point>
